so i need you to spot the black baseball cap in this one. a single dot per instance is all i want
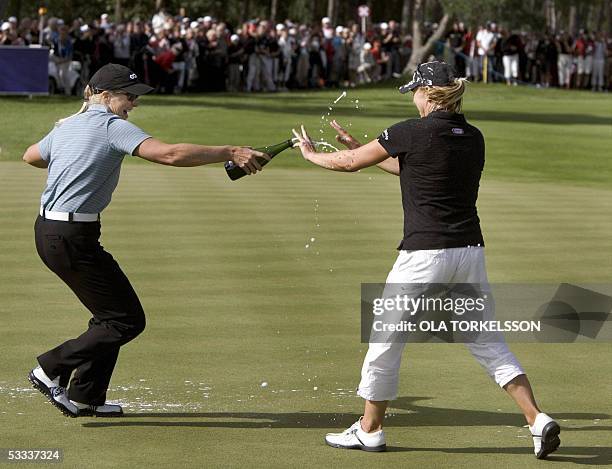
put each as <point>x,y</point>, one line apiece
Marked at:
<point>430,74</point>
<point>115,77</point>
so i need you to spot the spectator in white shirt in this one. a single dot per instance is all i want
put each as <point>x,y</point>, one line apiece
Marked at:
<point>485,40</point>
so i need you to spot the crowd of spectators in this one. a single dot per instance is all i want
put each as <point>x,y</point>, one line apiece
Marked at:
<point>544,59</point>
<point>175,54</point>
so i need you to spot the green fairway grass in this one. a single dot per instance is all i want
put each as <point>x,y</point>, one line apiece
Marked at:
<point>258,281</point>
<point>531,134</point>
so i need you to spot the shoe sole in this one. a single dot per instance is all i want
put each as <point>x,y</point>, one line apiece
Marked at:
<point>38,385</point>
<point>91,413</point>
<point>370,449</point>
<point>44,390</point>
<point>550,440</point>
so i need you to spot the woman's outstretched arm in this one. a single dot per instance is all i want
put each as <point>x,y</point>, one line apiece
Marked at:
<point>350,160</point>
<point>390,165</point>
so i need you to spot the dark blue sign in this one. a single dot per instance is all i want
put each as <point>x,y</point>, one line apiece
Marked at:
<point>24,70</point>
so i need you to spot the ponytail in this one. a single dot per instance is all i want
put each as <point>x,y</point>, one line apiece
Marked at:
<point>88,98</point>
<point>448,98</point>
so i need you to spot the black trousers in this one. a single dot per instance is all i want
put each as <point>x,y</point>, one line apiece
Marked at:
<point>73,252</point>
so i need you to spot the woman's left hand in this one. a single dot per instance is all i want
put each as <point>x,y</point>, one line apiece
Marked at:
<point>304,142</point>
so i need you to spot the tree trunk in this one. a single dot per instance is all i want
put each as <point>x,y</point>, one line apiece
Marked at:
<point>407,15</point>
<point>548,10</point>
<point>158,5</point>
<point>421,51</point>
<point>417,19</point>
<point>273,9</point>
<point>571,20</point>
<point>118,12</point>
<point>331,10</point>
<point>600,18</point>
<point>553,16</point>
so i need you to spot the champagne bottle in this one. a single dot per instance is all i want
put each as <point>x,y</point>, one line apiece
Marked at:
<point>236,172</point>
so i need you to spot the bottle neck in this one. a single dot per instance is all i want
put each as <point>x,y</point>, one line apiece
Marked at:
<point>273,150</point>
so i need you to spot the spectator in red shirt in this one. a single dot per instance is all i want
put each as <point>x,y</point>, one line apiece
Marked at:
<point>165,59</point>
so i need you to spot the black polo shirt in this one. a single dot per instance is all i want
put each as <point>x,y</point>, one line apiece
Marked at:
<point>441,158</point>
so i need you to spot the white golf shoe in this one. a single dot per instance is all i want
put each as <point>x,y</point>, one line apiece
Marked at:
<point>355,438</point>
<point>105,410</point>
<point>41,381</point>
<point>545,432</point>
<point>55,393</point>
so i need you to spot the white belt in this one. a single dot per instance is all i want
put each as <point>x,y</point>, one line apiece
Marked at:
<point>65,216</point>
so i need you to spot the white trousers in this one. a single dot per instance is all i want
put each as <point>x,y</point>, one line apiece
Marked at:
<point>564,69</point>
<point>63,71</point>
<point>585,65</point>
<point>510,66</point>
<point>380,372</point>
<point>267,73</point>
<point>252,80</point>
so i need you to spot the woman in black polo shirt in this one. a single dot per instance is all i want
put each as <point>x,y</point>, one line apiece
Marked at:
<point>439,159</point>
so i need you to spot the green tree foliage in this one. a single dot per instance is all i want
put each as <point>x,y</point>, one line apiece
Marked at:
<point>526,14</point>
<point>513,14</point>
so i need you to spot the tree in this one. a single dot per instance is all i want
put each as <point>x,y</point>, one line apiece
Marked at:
<point>529,15</point>
<point>513,14</point>
<point>420,50</point>
<point>118,11</point>
<point>331,10</point>
<point>407,15</point>
<point>273,9</point>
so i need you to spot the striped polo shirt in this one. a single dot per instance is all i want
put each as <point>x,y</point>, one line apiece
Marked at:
<point>85,154</point>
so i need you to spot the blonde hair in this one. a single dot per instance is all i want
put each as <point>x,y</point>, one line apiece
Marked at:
<point>448,98</point>
<point>89,97</point>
